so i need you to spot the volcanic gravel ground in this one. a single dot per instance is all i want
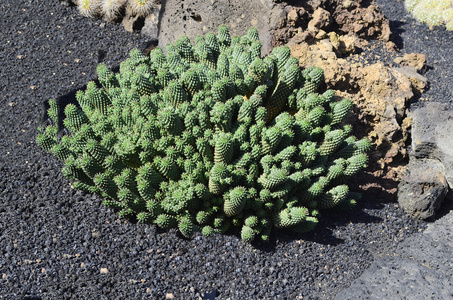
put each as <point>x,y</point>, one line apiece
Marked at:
<point>57,243</point>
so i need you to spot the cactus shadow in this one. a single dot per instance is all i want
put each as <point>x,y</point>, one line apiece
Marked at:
<point>375,196</point>
<point>63,99</point>
<point>321,235</point>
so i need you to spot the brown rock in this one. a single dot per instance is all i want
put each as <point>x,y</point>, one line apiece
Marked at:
<point>348,4</point>
<point>305,36</point>
<point>362,18</point>
<point>321,34</point>
<point>334,39</point>
<point>128,22</point>
<point>390,46</point>
<point>418,81</point>
<point>416,60</point>
<point>292,17</point>
<point>347,44</point>
<point>385,96</point>
<point>338,73</point>
<point>320,20</point>
<point>326,46</point>
<point>359,17</point>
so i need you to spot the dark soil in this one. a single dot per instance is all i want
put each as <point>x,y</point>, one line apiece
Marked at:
<point>57,243</point>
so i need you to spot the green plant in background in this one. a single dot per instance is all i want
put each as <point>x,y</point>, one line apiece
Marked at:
<point>432,12</point>
<point>209,136</point>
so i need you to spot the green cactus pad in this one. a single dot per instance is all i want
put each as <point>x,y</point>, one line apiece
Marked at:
<point>235,201</point>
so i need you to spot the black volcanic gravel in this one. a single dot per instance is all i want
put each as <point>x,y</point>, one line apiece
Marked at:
<point>57,243</point>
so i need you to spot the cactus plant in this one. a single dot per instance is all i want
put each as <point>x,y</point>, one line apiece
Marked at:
<point>89,8</point>
<point>110,10</point>
<point>142,7</point>
<point>205,138</point>
<point>432,12</point>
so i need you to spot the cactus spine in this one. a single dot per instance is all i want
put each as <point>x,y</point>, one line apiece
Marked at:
<point>432,12</point>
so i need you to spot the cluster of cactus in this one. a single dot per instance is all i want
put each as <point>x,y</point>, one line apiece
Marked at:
<point>110,10</point>
<point>432,12</point>
<point>210,136</point>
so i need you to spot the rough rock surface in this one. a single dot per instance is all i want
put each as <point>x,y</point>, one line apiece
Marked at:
<point>149,25</point>
<point>416,60</point>
<point>423,189</point>
<point>429,174</point>
<point>421,268</point>
<point>433,247</point>
<point>432,135</point>
<point>363,17</point>
<point>419,82</point>
<point>385,98</point>
<point>396,278</point>
<point>360,18</point>
<point>195,17</point>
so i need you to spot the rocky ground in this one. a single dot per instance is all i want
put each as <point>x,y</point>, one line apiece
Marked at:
<point>56,243</point>
<point>420,268</point>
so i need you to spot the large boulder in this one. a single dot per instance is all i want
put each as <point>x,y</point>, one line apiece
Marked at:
<point>196,17</point>
<point>432,135</point>
<point>423,188</point>
<point>429,175</point>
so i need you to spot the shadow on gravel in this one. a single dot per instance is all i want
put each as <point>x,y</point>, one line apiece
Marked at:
<point>375,196</point>
<point>62,101</point>
<point>397,32</point>
<point>328,222</point>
